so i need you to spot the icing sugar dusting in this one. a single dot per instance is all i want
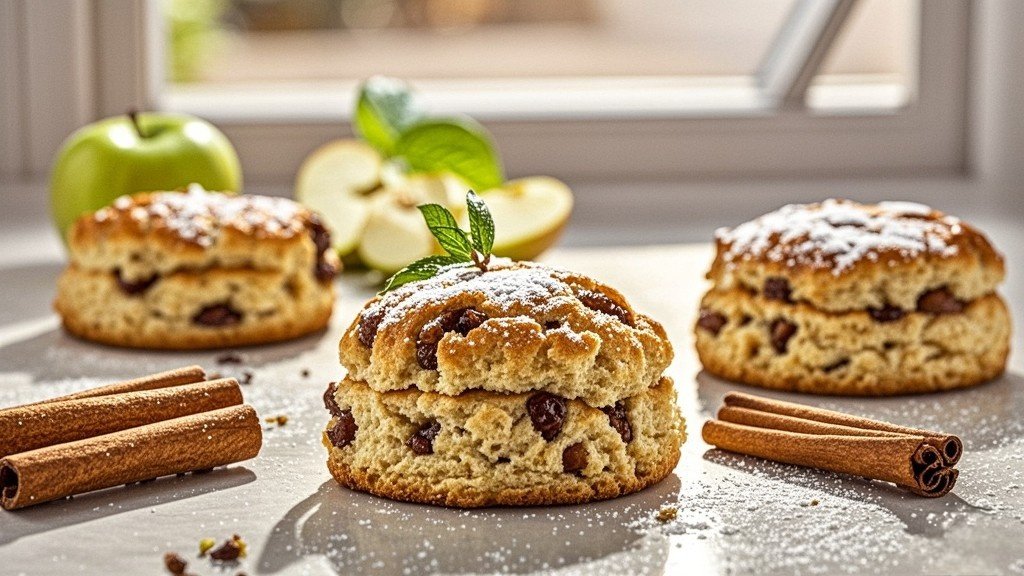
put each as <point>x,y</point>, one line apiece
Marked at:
<point>198,216</point>
<point>507,286</point>
<point>837,234</point>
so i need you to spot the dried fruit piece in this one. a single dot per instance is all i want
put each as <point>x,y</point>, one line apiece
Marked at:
<point>619,419</point>
<point>217,316</point>
<point>782,331</point>
<point>329,402</point>
<point>602,303</point>
<point>230,550</point>
<point>547,413</point>
<point>136,287</point>
<point>369,321</point>
<point>574,458</point>
<point>344,430</point>
<point>939,301</point>
<point>887,313</point>
<point>175,564</point>
<point>711,321</point>
<point>776,288</point>
<point>323,270</point>
<point>462,321</point>
<point>422,441</point>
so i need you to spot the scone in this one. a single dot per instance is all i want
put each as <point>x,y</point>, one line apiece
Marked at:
<point>521,385</point>
<point>848,298</point>
<point>197,269</point>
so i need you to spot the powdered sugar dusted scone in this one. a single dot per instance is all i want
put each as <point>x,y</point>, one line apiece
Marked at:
<point>516,328</point>
<point>847,298</point>
<point>484,449</point>
<point>197,269</point>
<point>517,385</point>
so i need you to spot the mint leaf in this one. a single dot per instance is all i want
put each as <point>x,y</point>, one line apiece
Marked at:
<point>386,107</point>
<point>460,146</point>
<point>421,269</point>
<point>446,229</point>
<point>481,225</point>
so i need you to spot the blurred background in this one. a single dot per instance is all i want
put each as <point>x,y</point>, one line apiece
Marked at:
<point>667,117</point>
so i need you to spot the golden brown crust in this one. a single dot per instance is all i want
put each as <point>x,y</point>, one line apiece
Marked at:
<point>487,453</point>
<point>165,232</point>
<point>841,256</point>
<point>851,353</point>
<point>539,334</point>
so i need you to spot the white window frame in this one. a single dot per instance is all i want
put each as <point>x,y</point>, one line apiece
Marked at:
<point>594,130</point>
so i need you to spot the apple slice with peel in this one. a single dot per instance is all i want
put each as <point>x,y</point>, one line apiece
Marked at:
<point>529,215</point>
<point>336,181</point>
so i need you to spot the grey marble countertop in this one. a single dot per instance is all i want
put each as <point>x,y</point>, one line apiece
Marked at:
<point>737,515</point>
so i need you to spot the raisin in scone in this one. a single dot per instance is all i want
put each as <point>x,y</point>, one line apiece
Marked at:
<point>521,385</point>
<point>848,298</point>
<point>197,269</point>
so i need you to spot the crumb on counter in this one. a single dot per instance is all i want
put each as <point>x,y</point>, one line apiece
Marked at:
<point>667,513</point>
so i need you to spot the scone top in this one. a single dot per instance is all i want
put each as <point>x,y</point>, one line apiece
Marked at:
<point>196,228</point>
<point>840,255</point>
<point>517,327</point>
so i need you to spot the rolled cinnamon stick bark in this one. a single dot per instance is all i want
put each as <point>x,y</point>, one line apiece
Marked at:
<point>948,445</point>
<point>190,443</point>
<point>759,419</point>
<point>39,425</point>
<point>176,377</point>
<point>905,460</point>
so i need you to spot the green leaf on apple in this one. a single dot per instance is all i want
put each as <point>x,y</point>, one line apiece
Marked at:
<point>459,146</point>
<point>446,229</point>
<point>385,108</point>
<point>421,270</point>
<point>481,224</point>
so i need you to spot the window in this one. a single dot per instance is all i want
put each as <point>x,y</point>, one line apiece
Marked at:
<point>594,89</point>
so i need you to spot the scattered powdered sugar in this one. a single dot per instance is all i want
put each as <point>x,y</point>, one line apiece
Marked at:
<point>510,287</point>
<point>837,234</point>
<point>198,216</point>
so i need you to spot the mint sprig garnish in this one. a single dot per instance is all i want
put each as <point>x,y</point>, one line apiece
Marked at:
<point>419,270</point>
<point>463,248</point>
<point>481,225</point>
<point>388,116</point>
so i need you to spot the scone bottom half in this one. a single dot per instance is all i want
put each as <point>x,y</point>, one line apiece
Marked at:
<point>853,299</point>
<point>196,269</point>
<point>518,385</point>
<point>485,449</point>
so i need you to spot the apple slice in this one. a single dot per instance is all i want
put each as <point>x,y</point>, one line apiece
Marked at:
<point>395,234</point>
<point>336,181</point>
<point>529,215</point>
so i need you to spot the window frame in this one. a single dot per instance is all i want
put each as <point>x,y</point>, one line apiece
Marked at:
<point>666,133</point>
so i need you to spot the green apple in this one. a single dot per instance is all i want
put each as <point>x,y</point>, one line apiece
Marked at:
<point>137,153</point>
<point>529,215</point>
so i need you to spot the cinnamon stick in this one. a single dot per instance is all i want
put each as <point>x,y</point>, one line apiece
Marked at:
<point>948,445</point>
<point>905,460</point>
<point>175,377</point>
<point>44,424</point>
<point>190,443</point>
